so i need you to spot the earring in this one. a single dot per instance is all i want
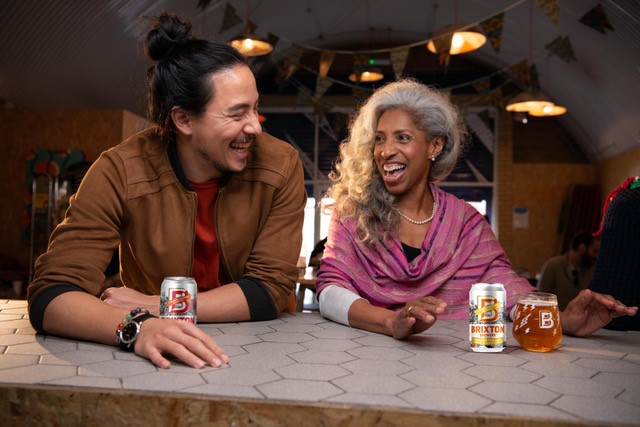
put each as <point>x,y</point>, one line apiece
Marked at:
<point>433,158</point>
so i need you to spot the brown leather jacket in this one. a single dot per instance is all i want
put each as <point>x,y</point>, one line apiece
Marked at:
<point>136,197</point>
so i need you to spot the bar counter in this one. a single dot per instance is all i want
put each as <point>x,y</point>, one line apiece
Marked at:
<point>302,370</point>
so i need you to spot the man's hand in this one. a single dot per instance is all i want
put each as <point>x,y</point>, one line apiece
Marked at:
<point>183,340</point>
<point>130,299</point>
<point>590,311</point>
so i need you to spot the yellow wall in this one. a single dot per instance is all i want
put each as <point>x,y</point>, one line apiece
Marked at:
<point>542,188</point>
<point>613,171</point>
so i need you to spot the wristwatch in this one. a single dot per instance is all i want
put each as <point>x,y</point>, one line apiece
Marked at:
<point>127,335</point>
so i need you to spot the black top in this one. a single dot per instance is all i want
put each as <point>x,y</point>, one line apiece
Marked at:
<point>617,270</point>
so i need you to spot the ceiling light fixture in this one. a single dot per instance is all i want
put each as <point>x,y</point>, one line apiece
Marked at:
<point>249,43</point>
<point>527,101</point>
<point>456,38</point>
<point>366,70</point>
<point>463,39</point>
<point>553,110</point>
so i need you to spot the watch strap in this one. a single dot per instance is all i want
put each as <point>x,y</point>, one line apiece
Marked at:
<point>127,335</point>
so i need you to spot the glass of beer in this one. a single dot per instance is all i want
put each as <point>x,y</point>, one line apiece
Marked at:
<point>536,323</point>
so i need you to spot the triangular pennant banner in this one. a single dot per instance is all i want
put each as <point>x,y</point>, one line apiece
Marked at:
<point>326,59</point>
<point>443,47</point>
<point>522,72</point>
<point>202,4</point>
<point>322,85</point>
<point>550,8</point>
<point>290,64</point>
<point>492,28</point>
<point>482,86</point>
<point>495,98</point>
<point>230,19</point>
<point>597,19</point>
<point>304,94</point>
<point>398,61</point>
<point>533,77</point>
<point>561,47</point>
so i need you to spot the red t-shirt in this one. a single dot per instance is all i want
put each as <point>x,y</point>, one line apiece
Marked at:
<point>206,260</point>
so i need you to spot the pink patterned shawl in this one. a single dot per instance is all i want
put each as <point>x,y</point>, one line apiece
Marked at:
<point>459,250</point>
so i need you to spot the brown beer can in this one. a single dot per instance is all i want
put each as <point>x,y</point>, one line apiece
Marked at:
<point>178,298</point>
<point>487,317</point>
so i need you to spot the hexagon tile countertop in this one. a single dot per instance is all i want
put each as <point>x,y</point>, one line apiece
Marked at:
<point>307,359</point>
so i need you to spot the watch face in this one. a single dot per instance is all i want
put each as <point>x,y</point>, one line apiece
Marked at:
<point>129,332</point>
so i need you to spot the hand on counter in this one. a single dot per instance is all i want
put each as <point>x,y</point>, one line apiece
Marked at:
<point>183,340</point>
<point>590,311</point>
<point>417,316</point>
<point>129,299</point>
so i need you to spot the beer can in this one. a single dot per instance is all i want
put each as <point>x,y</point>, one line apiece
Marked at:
<point>178,299</point>
<point>487,317</point>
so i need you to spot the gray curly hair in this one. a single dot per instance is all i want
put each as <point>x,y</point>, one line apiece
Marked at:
<point>358,191</point>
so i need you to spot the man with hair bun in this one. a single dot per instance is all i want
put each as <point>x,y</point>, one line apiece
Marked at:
<point>203,193</point>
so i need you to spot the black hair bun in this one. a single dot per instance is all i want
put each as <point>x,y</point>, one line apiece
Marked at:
<point>167,33</point>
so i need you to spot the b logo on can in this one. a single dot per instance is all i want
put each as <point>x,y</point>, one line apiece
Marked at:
<point>178,301</point>
<point>488,311</point>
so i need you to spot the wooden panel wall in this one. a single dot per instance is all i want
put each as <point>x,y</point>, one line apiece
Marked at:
<point>22,130</point>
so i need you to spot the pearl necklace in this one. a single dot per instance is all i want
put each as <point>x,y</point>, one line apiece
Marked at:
<point>413,221</point>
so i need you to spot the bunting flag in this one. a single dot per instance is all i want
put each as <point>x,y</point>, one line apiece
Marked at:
<point>230,19</point>
<point>534,82</point>
<point>522,72</point>
<point>398,61</point>
<point>597,19</point>
<point>482,86</point>
<point>322,85</point>
<point>492,28</point>
<point>290,65</point>
<point>495,98</point>
<point>203,4</point>
<point>561,47</point>
<point>443,47</point>
<point>326,59</point>
<point>320,107</point>
<point>550,7</point>
<point>304,94</point>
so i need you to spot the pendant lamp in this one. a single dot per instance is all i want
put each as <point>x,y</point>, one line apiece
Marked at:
<point>249,43</point>
<point>553,110</point>
<point>527,101</point>
<point>463,39</point>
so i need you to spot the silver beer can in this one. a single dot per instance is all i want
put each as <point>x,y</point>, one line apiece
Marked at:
<point>487,317</point>
<point>178,299</point>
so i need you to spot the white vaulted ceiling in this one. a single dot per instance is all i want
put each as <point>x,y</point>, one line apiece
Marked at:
<point>88,54</point>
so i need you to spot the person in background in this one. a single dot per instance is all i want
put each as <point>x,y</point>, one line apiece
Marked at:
<point>316,253</point>
<point>567,274</point>
<point>203,194</point>
<point>617,270</point>
<point>400,251</point>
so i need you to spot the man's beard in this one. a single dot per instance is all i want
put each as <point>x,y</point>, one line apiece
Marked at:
<point>223,169</point>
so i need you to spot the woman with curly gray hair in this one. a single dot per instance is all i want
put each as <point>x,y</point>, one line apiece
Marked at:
<point>400,251</point>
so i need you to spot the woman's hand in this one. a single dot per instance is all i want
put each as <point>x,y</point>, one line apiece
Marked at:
<point>590,311</point>
<point>184,340</point>
<point>129,299</point>
<point>417,316</point>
